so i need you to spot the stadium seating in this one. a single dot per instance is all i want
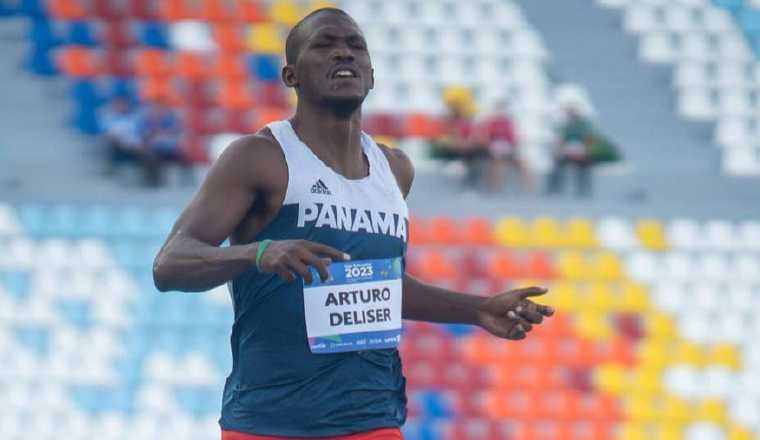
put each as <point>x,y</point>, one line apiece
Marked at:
<point>713,47</point>
<point>164,48</point>
<point>654,335</point>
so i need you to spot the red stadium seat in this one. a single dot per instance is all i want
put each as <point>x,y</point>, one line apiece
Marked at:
<point>108,9</point>
<point>382,124</point>
<point>117,64</point>
<point>272,94</point>
<point>195,94</point>
<point>118,34</point>
<point>237,121</point>
<point>144,10</point>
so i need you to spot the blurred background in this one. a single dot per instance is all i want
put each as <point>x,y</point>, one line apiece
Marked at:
<point>606,149</point>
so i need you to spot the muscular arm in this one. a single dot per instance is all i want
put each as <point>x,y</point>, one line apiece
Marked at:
<point>191,259</point>
<point>423,302</point>
<point>508,315</point>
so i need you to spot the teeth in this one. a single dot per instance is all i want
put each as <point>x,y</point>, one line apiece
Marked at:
<point>344,73</point>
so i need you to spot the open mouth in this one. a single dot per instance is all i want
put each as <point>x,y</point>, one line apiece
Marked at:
<point>344,72</point>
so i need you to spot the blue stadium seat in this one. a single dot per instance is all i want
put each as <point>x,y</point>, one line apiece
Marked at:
<point>16,283</point>
<point>33,218</point>
<point>124,87</point>
<point>733,5</point>
<point>82,33</point>
<point>35,338</point>
<point>42,34</point>
<point>62,220</point>
<point>95,221</point>
<point>749,20</point>
<point>154,34</point>
<point>264,67</point>
<point>40,62</point>
<point>8,8</point>
<point>77,312</point>
<point>435,404</point>
<point>33,8</point>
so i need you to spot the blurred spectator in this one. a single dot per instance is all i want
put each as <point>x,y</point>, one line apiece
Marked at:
<point>459,143</point>
<point>576,137</point>
<point>160,129</point>
<point>497,131</point>
<point>119,124</point>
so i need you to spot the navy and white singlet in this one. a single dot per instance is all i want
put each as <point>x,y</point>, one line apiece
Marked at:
<point>277,385</point>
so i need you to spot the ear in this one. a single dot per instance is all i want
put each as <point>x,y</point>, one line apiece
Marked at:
<point>289,76</point>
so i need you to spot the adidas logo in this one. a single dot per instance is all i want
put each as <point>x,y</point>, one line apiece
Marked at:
<point>320,188</point>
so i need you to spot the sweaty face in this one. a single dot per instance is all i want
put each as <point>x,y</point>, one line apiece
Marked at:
<point>333,65</point>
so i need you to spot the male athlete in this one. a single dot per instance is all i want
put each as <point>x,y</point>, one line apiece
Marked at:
<point>316,216</point>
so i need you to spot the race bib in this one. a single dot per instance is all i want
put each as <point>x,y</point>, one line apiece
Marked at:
<point>357,308</point>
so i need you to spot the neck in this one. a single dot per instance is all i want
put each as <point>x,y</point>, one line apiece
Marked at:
<point>334,138</point>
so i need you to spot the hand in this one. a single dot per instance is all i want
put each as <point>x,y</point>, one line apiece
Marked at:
<point>289,258</point>
<point>511,315</point>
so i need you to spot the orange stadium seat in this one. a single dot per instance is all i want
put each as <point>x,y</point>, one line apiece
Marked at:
<point>443,230</point>
<point>216,11</point>
<point>229,37</point>
<point>176,10</point>
<point>420,125</point>
<point>156,88</point>
<point>152,63</point>
<point>229,67</point>
<point>252,11</point>
<point>68,10</point>
<point>540,266</point>
<point>234,94</point>
<point>436,265</point>
<point>505,265</point>
<point>418,232</point>
<point>477,231</point>
<point>191,66</point>
<point>76,61</point>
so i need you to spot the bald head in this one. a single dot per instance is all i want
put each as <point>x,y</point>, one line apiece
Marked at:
<point>296,35</point>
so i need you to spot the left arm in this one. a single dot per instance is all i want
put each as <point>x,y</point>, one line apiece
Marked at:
<point>508,315</point>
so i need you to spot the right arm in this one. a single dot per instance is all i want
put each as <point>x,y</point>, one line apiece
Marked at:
<point>191,259</point>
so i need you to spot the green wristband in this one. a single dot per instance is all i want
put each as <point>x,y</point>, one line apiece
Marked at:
<point>260,251</point>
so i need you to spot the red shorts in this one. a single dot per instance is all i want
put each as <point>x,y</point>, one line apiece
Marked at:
<point>377,434</point>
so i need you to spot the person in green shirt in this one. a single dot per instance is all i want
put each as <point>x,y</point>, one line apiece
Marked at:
<point>573,151</point>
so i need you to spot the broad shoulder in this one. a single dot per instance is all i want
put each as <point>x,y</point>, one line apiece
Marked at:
<point>255,159</point>
<point>401,166</point>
